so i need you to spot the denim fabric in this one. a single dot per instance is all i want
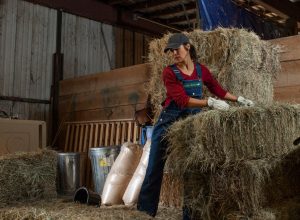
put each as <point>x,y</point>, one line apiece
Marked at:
<point>150,191</point>
<point>193,88</point>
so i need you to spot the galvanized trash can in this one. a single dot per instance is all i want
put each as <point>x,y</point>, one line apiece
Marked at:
<point>68,175</point>
<point>102,159</point>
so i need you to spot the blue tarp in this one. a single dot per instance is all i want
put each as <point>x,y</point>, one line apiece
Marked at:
<point>224,13</point>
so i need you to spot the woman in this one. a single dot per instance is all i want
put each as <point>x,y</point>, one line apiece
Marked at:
<point>183,81</point>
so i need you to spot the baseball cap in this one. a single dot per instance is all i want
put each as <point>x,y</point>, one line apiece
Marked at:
<point>176,40</point>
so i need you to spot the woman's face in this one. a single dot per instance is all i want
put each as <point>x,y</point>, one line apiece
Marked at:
<point>180,54</point>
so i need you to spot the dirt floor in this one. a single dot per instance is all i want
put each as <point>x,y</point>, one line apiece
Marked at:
<point>66,209</point>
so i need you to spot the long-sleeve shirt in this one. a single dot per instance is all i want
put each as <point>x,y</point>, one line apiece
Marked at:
<point>176,92</point>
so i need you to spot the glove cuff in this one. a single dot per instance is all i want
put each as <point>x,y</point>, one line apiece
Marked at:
<point>210,101</point>
<point>240,99</point>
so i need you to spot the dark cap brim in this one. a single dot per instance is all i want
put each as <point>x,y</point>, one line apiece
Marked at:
<point>172,46</point>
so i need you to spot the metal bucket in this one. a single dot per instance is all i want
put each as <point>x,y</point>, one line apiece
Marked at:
<point>68,173</point>
<point>102,159</point>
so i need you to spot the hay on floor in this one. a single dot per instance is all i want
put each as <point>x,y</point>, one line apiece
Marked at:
<point>216,138</point>
<point>242,63</point>
<point>27,176</point>
<point>59,209</point>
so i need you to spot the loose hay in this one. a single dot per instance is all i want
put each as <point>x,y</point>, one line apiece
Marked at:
<point>45,210</point>
<point>27,176</point>
<point>239,60</point>
<point>215,138</point>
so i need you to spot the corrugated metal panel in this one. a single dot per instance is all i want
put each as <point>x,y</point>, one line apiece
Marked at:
<point>27,44</point>
<point>88,46</point>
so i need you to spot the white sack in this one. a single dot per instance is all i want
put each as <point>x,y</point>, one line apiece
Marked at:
<point>132,192</point>
<point>120,174</point>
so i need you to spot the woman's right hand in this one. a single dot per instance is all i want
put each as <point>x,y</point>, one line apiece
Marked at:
<point>217,104</point>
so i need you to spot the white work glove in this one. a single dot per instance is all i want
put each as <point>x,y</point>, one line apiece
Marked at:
<point>245,102</point>
<point>217,104</point>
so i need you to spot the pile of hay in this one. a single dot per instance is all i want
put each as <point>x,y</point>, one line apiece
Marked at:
<point>242,63</point>
<point>233,160</point>
<point>59,209</point>
<point>216,138</point>
<point>27,176</point>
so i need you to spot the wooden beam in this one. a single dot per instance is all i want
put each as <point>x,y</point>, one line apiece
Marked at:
<point>115,2</point>
<point>153,5</point>
<point>99,11</point>
<point>28,100</point>
<point>168,13</point>
<point>286,7</point>
<point>270,8</point>
<point>181,19</point>
<point>94,10</point>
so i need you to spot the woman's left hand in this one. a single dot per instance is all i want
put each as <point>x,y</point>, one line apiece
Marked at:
<point>245,102</point>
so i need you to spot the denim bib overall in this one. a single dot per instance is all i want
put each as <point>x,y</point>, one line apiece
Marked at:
<point>150,191</point>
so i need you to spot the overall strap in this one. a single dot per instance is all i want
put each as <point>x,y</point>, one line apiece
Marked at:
<point>177,72</point>
<point>199,71</point>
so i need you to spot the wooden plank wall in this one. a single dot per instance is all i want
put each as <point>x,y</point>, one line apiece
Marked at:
<point>88,46</point>
<point>110,95</point>
<point>27,44</point>
<point>287,85</point>
<point>131,47</point>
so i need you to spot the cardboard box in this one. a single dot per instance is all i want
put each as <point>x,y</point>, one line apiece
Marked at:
<point>21,135</point>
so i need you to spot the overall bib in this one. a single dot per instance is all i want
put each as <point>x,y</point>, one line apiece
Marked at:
<point>150,191</point>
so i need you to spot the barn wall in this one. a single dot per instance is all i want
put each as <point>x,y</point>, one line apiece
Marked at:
<point>287,85</point>
<point>104,96</point>
<point>131,47</point>
<point>27,42</point>
<point>27,45</point>
<point>88,46</point>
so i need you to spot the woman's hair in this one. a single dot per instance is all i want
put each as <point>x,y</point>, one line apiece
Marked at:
<point>193,52</point>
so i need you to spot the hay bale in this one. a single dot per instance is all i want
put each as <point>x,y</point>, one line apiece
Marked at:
<point>216,138</point>
<point>242,188</point>
<point>288,209</point>
<point>59,209</point>
<point>260,215</point>
<point>27,176</point>
<point>171,191</point>
<point>235,187</point>
<point>242,62</point>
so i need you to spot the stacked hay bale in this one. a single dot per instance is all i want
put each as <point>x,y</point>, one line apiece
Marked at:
<point>235,154</point>
<point>229,158</point>
<point>238,59</point>
<point>27,177</point>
